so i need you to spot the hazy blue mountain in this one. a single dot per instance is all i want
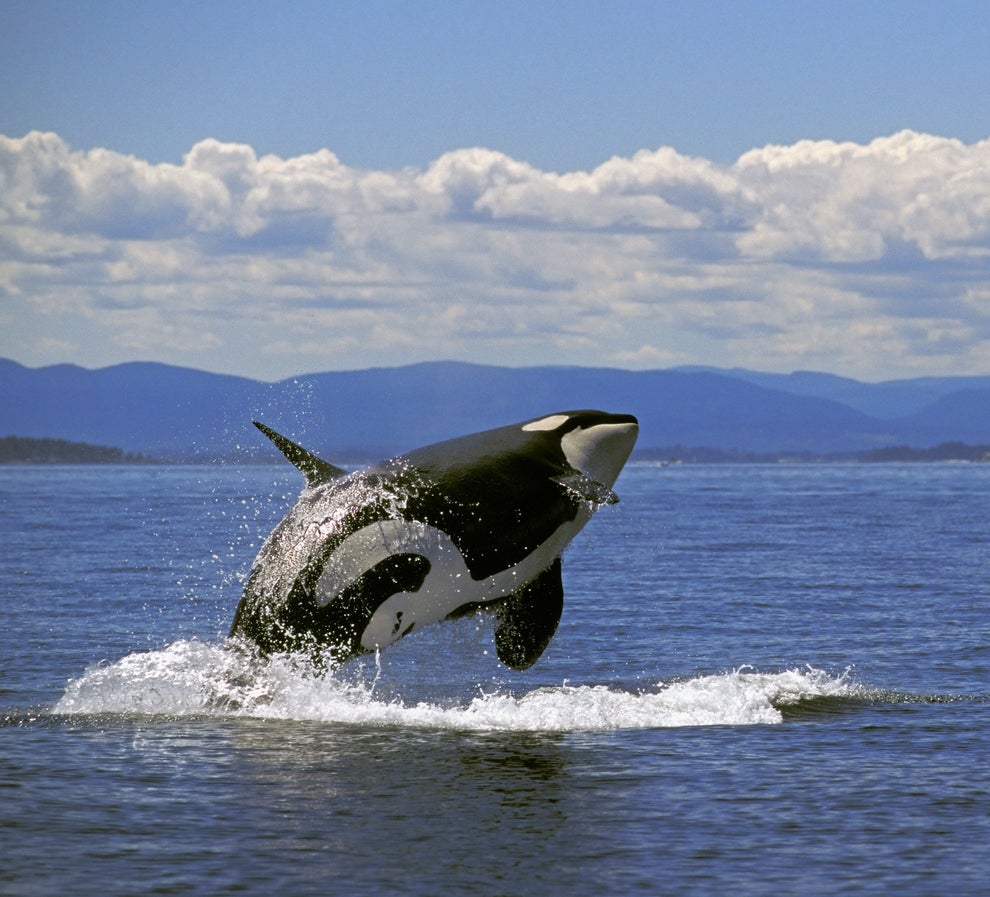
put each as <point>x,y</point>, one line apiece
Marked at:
<point>168,411</point>
<point>965,413</point>
<point>140,406</point>
<point>422,403</point>
<point>887,400</point>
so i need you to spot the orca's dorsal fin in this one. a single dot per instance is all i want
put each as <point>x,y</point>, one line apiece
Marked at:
<point>316,470</point>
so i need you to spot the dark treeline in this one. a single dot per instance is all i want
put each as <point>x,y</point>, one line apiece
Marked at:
<point>21,450</point>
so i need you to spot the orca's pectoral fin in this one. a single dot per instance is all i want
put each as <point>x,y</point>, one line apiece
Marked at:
<point>528,618</point>
<point>585,487</point>
<point>316,470</point>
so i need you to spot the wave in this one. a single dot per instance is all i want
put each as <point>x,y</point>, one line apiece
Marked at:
<point>192,678</point>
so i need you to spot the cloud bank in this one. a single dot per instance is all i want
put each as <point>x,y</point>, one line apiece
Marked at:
<point>870,260</point>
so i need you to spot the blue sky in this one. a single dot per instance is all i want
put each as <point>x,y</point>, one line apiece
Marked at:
<point>268,189</point>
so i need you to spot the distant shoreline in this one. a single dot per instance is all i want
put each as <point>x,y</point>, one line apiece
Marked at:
<point>944,452</point>
<point>19,450</point>
<point>24,450</point>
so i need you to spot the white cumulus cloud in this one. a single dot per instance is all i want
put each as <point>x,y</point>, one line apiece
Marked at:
<point>865,259</point>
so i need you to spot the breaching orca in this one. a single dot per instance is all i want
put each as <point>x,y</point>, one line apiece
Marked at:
<point>363,559</point>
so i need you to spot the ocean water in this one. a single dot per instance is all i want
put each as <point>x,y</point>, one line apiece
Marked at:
<point>768,679</point>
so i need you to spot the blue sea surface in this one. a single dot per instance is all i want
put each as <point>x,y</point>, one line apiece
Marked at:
<point>767,679</point>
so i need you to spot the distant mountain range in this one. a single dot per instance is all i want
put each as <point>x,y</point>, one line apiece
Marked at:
<point>179,413</point>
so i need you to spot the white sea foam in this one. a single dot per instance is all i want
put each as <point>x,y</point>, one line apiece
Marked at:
<point>191,678</point>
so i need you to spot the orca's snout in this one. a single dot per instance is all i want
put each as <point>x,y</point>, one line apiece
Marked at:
<point>601,448</point>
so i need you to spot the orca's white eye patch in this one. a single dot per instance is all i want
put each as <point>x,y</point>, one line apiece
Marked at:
<point>545,423</point>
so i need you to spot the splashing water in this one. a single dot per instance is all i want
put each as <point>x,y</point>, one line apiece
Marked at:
<point>192,678</point>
